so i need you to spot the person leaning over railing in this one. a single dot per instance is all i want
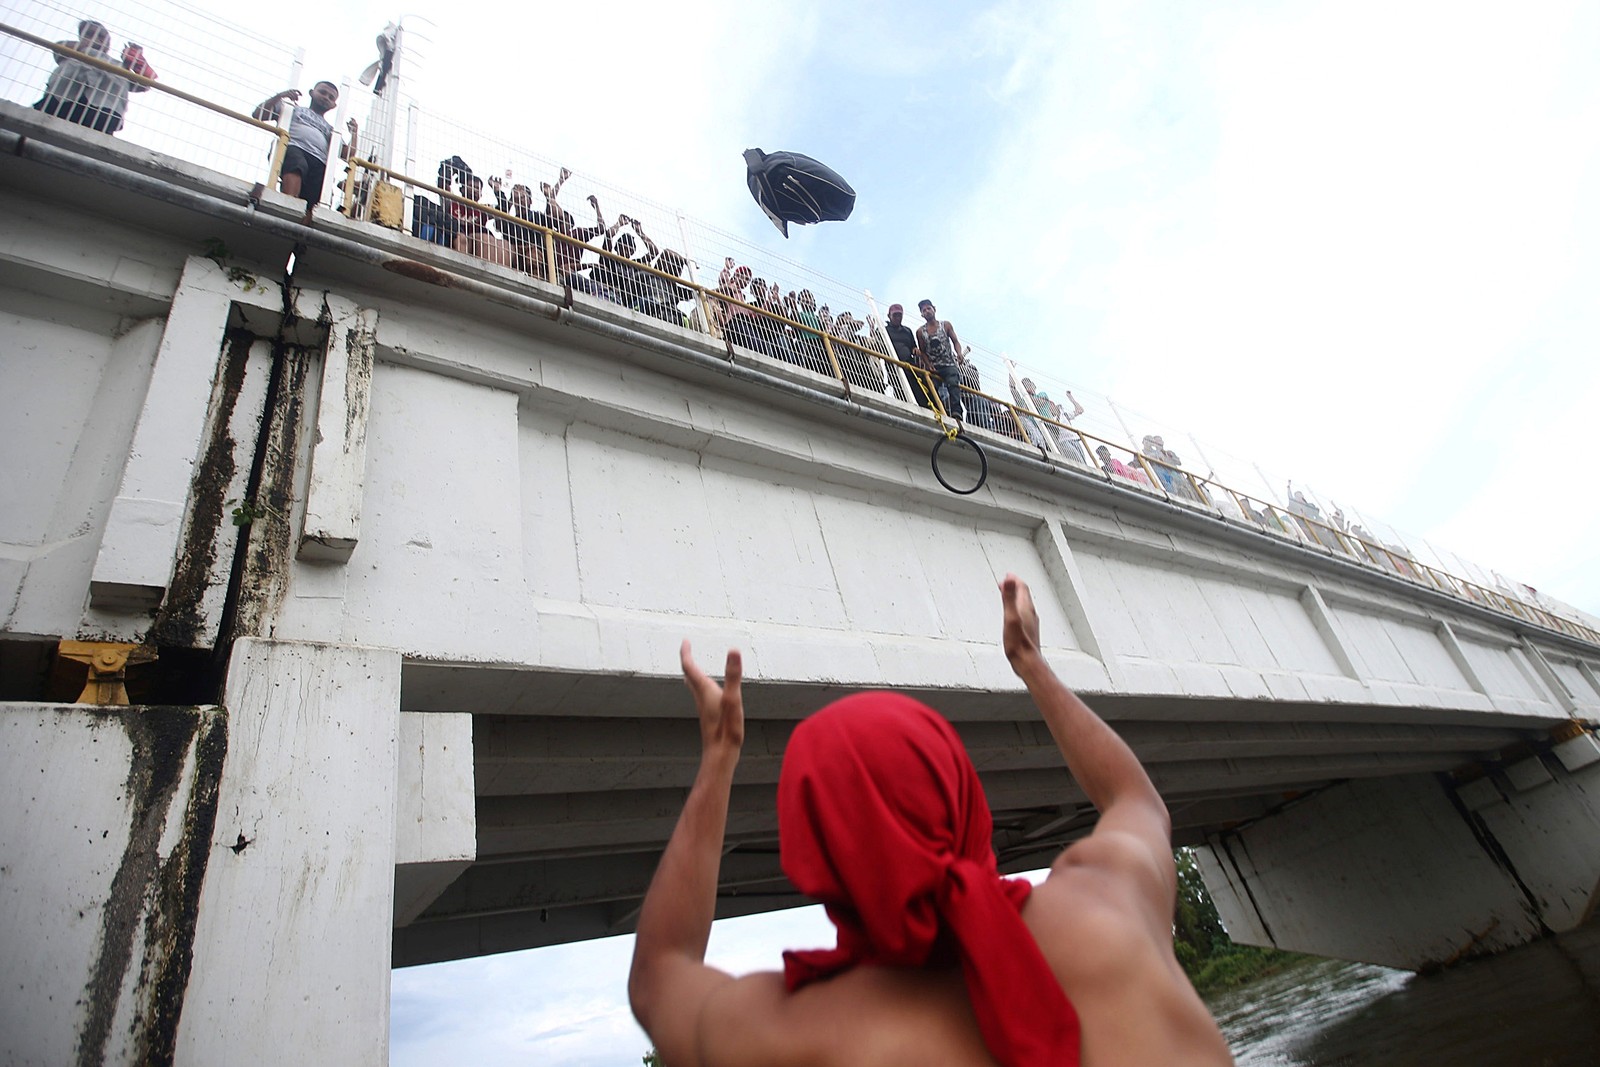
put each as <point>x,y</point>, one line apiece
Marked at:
<point>1167,466</point>
<point>305,161</point>
<point>527,245</point>
<point>981,411</point>
<point>85,94</point>
<point>429,221</point>
<point>768,300</point>
<point>612,279</point>
<point>738,324</point>
<point>658,297</point>
<point>1120,469</point>
<point>808,341</point>
<point>634,288</point>
<point>1068,440</point>
<point>473,236</point>
<point>570,237</point>
<point>860,369</point>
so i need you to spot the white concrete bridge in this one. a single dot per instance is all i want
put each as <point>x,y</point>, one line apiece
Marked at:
<point>422,701</point>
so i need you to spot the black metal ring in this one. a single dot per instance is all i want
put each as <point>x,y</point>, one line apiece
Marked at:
<point>983,464</point>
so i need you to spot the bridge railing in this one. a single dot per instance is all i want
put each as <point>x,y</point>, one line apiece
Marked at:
<point>671,284</point>
<point>171,79</point>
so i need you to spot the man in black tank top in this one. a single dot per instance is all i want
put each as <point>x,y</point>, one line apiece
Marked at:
<point>938,344</point>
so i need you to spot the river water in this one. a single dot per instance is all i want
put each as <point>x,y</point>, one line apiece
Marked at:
<point>1536,1006</point>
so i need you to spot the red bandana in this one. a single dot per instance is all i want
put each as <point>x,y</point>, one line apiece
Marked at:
<point>882,818</point>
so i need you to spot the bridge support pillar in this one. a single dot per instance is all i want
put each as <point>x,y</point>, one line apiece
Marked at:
<point>1421,870</point>
<point>291,939</point>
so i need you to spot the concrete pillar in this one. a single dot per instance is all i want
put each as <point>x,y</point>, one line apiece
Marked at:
<point>292,932</point>
<point>1415,871</point>
<point>146,517</point>
<point>106,819</point>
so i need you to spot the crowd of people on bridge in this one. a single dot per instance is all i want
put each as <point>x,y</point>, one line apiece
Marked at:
<point>620,262</point>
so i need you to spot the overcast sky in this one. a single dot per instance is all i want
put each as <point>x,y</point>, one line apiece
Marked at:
<point>1354,243</point>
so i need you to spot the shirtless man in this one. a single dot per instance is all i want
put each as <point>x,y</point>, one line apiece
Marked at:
<point>1100,925</point>
<point>939,347</point>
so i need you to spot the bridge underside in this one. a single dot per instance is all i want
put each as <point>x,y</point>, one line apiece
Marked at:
<point>579,779</point>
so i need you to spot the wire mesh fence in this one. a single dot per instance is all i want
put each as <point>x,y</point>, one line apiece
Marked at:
<point>479,194</point>
<point>178,46</point>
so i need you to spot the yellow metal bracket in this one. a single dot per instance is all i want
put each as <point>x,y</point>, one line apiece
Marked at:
<point>108,664</point>
<point>1566,731</point>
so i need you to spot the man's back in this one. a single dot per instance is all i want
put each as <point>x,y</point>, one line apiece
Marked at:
<point>882,817</point>
<point>1112,957</point>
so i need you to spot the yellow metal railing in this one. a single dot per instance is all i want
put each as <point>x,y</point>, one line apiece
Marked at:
<point>846,361</point>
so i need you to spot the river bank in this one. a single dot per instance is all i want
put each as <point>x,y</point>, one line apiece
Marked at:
<point>1536,1006</point>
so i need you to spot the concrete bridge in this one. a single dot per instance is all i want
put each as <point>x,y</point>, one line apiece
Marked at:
<point>415,539</point>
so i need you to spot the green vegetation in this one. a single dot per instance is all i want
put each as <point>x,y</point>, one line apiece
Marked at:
<point>217,252</point>
<point>1209,957</point>
<point>652,1059</point>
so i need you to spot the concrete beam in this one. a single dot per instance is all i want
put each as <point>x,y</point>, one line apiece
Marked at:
<point>435,821</point>
<point>521,756</point>
<point>331,525</point>
<point>142,530</point>
<point>1404,873</point>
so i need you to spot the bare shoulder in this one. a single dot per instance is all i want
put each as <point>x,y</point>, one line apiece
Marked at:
<point>740,1023</point>
<point>889,1017</point>
<point>1103,920</point>
<point>1103,890</point>
<point>1120,852</point>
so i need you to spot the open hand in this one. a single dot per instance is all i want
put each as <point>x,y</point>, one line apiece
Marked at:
<point>1020,634</point>
<point>721,707</point>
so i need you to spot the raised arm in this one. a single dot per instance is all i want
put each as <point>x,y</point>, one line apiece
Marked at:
<point>267,110</point>
<point>589,233</point>
<point>611,231</point>
<point>501,203</point>
<point>669,982</point>
<point>1100,761</point>
<point>652,250</point>
<point>561,179</point>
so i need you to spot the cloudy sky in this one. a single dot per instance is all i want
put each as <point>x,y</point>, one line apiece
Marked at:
<point>1350,243</point>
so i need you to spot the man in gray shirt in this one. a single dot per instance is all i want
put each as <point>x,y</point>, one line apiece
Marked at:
<point>305,161</point>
